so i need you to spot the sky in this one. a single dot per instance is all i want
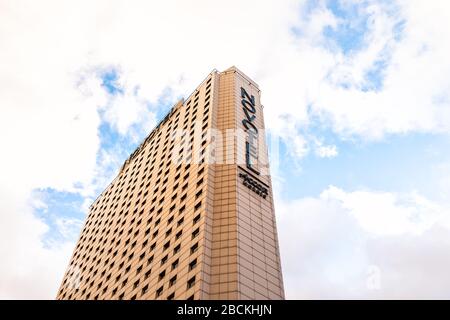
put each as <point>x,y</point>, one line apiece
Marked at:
<point>356,95</point>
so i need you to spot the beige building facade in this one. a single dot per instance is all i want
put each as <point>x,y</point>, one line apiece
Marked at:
<point>190,214</point>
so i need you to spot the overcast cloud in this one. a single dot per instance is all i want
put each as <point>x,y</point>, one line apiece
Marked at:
<point>363,72</point>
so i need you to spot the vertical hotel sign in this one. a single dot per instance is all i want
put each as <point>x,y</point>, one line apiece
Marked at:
<point>251,144</point>
<point>250,179</point>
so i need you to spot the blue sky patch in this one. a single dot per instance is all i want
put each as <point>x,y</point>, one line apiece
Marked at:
<point>60,207</point>
<point>110,79</point>
<point>352,27</point>
<point>400,163</point>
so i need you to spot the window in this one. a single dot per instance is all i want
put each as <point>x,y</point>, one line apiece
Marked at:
<point>171,296</point>
<point>145,289</point>
<point>166,245</point>
<point>195,233</point>
<point>161,275</point>
<point>192,264</point>
<point>176,249</point>
<point>164,260</point>
<point>172,280</point>
<point>191,282</point>
<point>159,291</point>
<point>194,248</point>
<point>175,264</point>
<point>196,218</point>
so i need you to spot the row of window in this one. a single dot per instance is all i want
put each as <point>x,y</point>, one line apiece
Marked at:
<point>122,222</point>
<point>100,209</point>
<point>152,247</point>
<point>156,189</point>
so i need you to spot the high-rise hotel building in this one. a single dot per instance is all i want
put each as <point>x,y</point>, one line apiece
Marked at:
<point>190,215</point>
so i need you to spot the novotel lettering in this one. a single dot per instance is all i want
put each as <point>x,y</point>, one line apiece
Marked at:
<point>254,185</point>
<point>251,145</point>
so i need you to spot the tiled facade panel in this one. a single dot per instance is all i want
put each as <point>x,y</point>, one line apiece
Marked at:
<point>224,267</point>
<point>259,263</point>
<point>173,225</point>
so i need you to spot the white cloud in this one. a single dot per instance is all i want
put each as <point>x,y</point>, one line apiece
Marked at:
<point>332,245</point>
<point>414,93</point>
<point>128,109</point>
<point>325,151</point>
<point>441,176</point>
<point>384,213</point>
<point>29,270</point>
<point>402,43</point>
<point>69,228</point>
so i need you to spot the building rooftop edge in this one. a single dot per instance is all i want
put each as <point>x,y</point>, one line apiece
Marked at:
<point>237,70</point>
<point>164,119</point>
